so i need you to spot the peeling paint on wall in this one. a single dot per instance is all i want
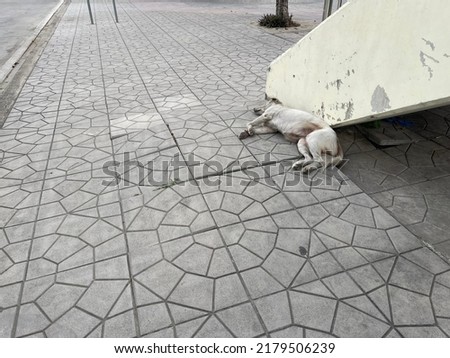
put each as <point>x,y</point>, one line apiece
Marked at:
<point>429,43</point>
<point>380,100</point>
<point>423,57</point>
<point>357,76</point>
<point>349,111</point>
<point>321,111</point>
<point>338,83</point>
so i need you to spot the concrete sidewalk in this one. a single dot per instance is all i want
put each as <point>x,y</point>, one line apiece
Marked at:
<point>20,22</point>
<point>129,208</point>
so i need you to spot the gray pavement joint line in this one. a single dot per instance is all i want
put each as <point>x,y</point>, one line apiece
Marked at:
<point>215,49</point>
<point>391,312</point>
<point>189,235</point>
<point>292,43</point>
<point>132,289</point>
<point>291,313</point>
<point>168,62</point>
<point>244,285</point>
<point>399,187</point>
<point>13,83</point>
<point>162,56</point>
<point>172,320</point>
<point>6,69</point>
<point>152,152</point>
<point>432,158</point>
<point>227,39</point>
<point>432,248</point>
<point>400,333</point>
<point>174,70</point>
<point>145,86</point>
<point>424,243</point>
<point>171,317</point>
<point>259,217</point>
<point>168,125</point>
<point>167,300</point>
<point>336,308</point>
<point>159,53</point>
<point>258,29</point>
<point>235,170</point>
<point>240,279</point>
<point>330,252</point>
<point>427,207</point>
<point>249,220</point>
<point>432,307</point>
<point>185,49</point>
<point>83,265</point>
<point>14,328</point>
<point>223,323</point>
<point>408,164</point>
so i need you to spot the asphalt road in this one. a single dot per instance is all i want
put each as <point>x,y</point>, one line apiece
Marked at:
<point>18,21</point>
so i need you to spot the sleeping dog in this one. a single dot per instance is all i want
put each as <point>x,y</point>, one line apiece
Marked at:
<point>315,139</point>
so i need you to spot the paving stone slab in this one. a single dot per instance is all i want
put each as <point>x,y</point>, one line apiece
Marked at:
<point>89,248</point>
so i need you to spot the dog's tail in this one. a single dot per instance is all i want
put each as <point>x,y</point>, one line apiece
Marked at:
<point>334,157</point>
<point>337,158</point>
<point>325,142</point>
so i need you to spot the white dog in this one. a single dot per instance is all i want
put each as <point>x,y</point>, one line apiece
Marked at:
<point>315,139</point>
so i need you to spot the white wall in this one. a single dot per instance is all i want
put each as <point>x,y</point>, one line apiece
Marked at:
<point>371,59</point>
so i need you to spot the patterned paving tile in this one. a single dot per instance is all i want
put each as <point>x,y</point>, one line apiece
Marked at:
<point>95,243</point>
<point>410,181</point>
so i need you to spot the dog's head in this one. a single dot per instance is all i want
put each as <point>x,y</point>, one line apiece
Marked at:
<point>271,101</point>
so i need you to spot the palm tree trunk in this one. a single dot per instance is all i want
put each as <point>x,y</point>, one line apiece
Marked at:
<point>282,9</point>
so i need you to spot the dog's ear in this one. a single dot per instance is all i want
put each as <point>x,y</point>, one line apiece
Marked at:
<point>275,101</point>
<point>272,101</point>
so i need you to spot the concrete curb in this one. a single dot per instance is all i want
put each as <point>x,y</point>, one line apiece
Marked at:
<point>6,69</point>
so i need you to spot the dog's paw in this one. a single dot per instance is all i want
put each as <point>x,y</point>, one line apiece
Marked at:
<point>300,164</point>
<point>297,166</point>
<point>244,134</point>
<point>311,167</point>
<point>307,169</point>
